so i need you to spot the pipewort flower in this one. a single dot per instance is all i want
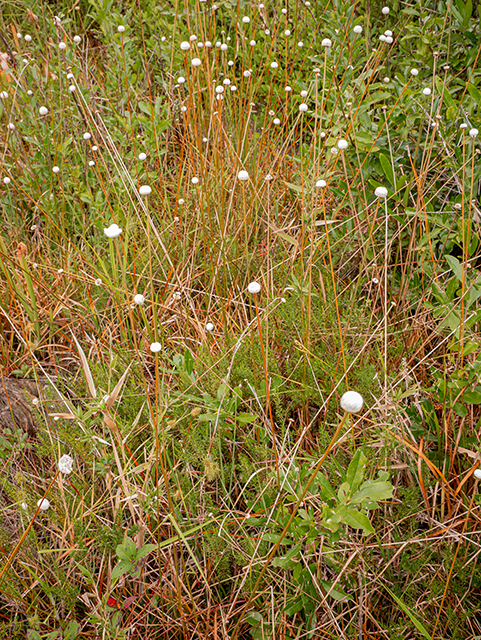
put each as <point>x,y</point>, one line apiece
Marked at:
<point>65,464</point>
<point>352,402</point>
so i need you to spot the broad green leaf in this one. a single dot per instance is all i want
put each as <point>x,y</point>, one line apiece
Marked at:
<point>337,594</point>
<point>124,566</point>
<point>456,267</point>
<point>358,520</point>
<point>355,472</point>
<point>245,418</point>
<point>374,490</point>
<point>283,561</point>
<point>472,397</point>
<point>145,550</point>
<point>71,631</point>
<point>387,168</point>
<point>274,537</point>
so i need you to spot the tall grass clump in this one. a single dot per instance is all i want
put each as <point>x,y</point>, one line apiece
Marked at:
<point>239,301</point>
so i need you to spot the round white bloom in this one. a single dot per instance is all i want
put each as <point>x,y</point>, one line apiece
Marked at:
<point>382,37</point>
<point>427,91</point>
<point>414,72</point>
<point>352,402</point>
<point>233,88</point>
<point>303,93</point>
<point>326,43</point>
<point>381,192</point>
<point>181,201</point>
<point>209,326</point>
<point>276,121</point>
<point>247,73</point>
<point>55,169</point>
<point>287,32</point>
<point>200,45</point>
<point>254,287</point>
<point>28,38</point>
<point>284,11</point>
<point>473,133</point>
<point>29,92</point>
<point>91,163</point>
<point>181,79</point>
<point>223,47</point>
<point>226,81</point>
<point>3,95</point>
<point>386,79</point>
<point>183,109</point>
<point>142,156</point>
<point>252,43</point>
<point>62,45</point>
<point>321,183</point>
<point>87,136</point>
<point>43,504</point>
<point>342,144</point>
<point>6,180</point>
<point>24,506</point>
<point>121,28</point>
<point>385,10</point>
<point>196,62</point>
<point>302,107</point>
<point>113,231</point>
<point>208,44</point>
<point>193,38</point>
<point>463,126</point>
<point>300,44</point>
<point>43,111</point>
<point>94,148</point>
<point>65,464</point>
<point>195,180</point>
<point>77,39</point>
<point>243,175</point>
<point>388,32</point>
<point>246,19</point>
<point>389,39</point>
<point>288,88</point>
<point>185,46</point>
<point>477,474</point>
<point>72,88</point>
<point>219,89</point>
<point>274,65</point>
<point>155,347</point>
<point>145,190</point>
<point>357,28</point>
<point>139,298</point>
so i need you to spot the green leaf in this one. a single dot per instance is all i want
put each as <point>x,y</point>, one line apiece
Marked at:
<point>355,472</point>
<point>374,490</point>
<point>71,631</point>
<point>274,537</point>
<point>475,93</point>
<point>33,635</point>
<point>145,550</point>
<point>124,566</point>
<point>387,168</point>
<point>456,267</point>
<point>472,397</point>
<point>284,561</point>
<point>245,418</point>
<point>337,594</point>
<point>358,520</point>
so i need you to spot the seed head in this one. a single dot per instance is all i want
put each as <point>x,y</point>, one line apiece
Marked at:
<point>385,11</point>
<point>121,28</point>
<point>477,474</point>
<point>113,231</point>
<point>352,402</point>
<point>155,347</point>
<point>196,62</point>
<point>185,46</point>
<point>254,287</point>
<point>303,107</point>
<point>145,190</point>
<point>357,28</point>
<point>381,192</point>
<point>243,175</point>
<point>326,42</point>
<point>65,464</point>
<point>342,144</point>
<point>43,111</point>
<point>139,298</point>
<point>321,184</point>
<point>44,504</point>
<point>473,133</point>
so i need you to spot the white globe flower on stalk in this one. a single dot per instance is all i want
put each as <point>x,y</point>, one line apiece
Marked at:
<point>145,190</point>
<point>473,133</point>
<point>414,72</point>
<point>43,111</point>
<point>357,28</point>
<point>77,39</point>
<point>44,504</point>
<point>121,28</point>
<point>155,347</point>
<point>380,192</point>
<point>303,107</point>
<point>62,46</point>
<point>142,155</point>
<point>196,62</point>
<point>320,184</point>
<point>185,46</point>
<point>139,298</point>
<point>209,326</point>
<point>113,231</point>
<point>65,464</point>
<point>477,474</point>
<point>253,287</point>
<point>87,136</point>
<point>385,11</point>
<point>243,175</point>
<point>326,42</point>
<point>342,144</point>
<point>352,402</point>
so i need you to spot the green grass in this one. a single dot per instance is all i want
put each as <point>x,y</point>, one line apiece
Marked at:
<point>188,449</point>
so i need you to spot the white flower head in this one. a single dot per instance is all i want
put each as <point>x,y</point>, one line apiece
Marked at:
<point>185,46</point>
<point>427,91</point>
<point>121,28</point>
<point>380,192</point>
<point>142,155</point>
<point>195,180</point>
<point>253,287</point>
<point>321,184</point>
<point>62,46</point>
<point>463,126</point>
<point>473,133</point>
<point>196,62</point>
<point>477,474</point>
<point>28,38</point>
<point>326,42</point>
<point>274,65</point>
<point>43,111</point>
<point>44,504</point>
<point>139,298</point>
<point>385,11</point>
<point>55,169</point>
<point>209,326</point>
<point>303,107</point>
<point>155,347</point>
<point>77,39</point>
<point>246,19</point>
<point>113,231</point>
<point>357,28</point>
<point>65,464</point>
<point>352,402</point>
<point>276,121</point>
<point>342,144</point>
<point>223,47</point>
<point>243,175</point>
<point>145,190</point>
<point>414,72</point>
<point>6,180</point>
<point>87,136</point>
